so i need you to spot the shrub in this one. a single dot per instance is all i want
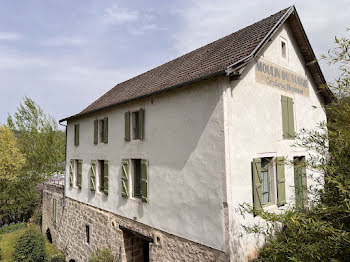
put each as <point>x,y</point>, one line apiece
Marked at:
<point>58,258</point>
<point>13,227</point>
<point>101,255</point>
<point>0,250</point>
<point>30,247</point>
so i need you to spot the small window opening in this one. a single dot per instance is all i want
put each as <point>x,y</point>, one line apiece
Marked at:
<point>48,235</point>
<point>284,49</point>
<point>101,164</point>
<point>87,230</point>
<point>137,177</point>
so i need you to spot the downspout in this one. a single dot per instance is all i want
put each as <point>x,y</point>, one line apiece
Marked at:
<point>65,165</point>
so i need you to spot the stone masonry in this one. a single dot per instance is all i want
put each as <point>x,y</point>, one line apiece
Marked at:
<point>68,233</point>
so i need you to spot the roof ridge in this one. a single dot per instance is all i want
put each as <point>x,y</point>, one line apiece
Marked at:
<point>199,63</point>
<point>202,47</point>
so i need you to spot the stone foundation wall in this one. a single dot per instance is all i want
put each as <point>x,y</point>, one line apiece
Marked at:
<point>69,233</point>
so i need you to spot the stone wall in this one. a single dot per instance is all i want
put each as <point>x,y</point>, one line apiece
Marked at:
<point>69,233</point>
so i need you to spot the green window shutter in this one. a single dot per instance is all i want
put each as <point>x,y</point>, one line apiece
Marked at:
<point>284,102</point>
<point>80,171</point>
<point>141,123</point>
<point>54,206</point>
<point>105,131</point>
<point>257,185</point>
<point>291,131</point>
<point>93,176</point>
<point>127,126</point>
<point>298,184</point>
<point>105,177</point>
<point>125,178</point>
<point>76,134</point>
<point>95,132</point>
<point>144,180</point>
<point>71,170</point>
<point>281,181</point>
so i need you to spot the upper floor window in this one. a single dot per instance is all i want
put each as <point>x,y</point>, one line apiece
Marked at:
<point>101,131</point>
<point>284,48</point>
<point>134,125</point>
<point>76,134</point>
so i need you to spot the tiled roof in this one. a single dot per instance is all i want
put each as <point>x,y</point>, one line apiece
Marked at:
<point>208,60</point>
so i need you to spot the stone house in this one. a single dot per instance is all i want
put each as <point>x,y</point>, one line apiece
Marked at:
<point>157,166</point>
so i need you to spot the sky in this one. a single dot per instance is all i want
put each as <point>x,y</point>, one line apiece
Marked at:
<point>65,54</point>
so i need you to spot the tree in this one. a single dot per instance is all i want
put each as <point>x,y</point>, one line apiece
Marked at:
<point>17,197</point>
<point>40,140</point>
<point>11,158</point>
<point>321,233</point>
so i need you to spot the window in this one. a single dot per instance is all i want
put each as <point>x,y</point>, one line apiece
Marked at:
<point>137,125</point>
<point>87,232</point>
<point>54,210</point>
<point>76,134</point>
<point>300,182</point>
<point>78,166</point>
<point>103,175</point>
<point>137,177</point>
<point>284,49</point>
<point>268,182</point>
<point>287,117</point>
<point>101,131</point>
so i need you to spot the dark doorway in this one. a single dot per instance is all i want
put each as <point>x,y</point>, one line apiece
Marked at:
<point>136,246</point>
<point>72,260</point>
<point>48,235</point>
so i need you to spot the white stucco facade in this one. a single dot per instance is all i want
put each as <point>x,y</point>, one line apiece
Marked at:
<point>183,130</point>
<point>253,118</point>
<point>200,141</point>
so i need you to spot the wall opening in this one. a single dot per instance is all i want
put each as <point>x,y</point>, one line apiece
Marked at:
<point>136,246</point>
<point>48,235</point>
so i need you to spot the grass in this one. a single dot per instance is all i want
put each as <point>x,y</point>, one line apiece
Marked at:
<point>8,241</point>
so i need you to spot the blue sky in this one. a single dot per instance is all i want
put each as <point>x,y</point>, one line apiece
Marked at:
<point>65,54</point>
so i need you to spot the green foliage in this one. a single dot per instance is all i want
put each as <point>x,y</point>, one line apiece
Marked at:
<point>11,158</point>
<point>57,258</point>
<point>30,247</point>
<point>321,233</point>
<point>40,140</point>
<point>102,255</point>
<point>12,227</point>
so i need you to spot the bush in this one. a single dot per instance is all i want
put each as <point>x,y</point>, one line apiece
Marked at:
<point>58,258</point>
<point>13,227</point>
<point>101,255</point>
<point>30,247</point>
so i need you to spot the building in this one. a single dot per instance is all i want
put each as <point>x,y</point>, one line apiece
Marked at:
<point>157,166</point>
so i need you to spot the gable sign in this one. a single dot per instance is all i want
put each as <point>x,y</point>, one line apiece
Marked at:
<point>272,75</point>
